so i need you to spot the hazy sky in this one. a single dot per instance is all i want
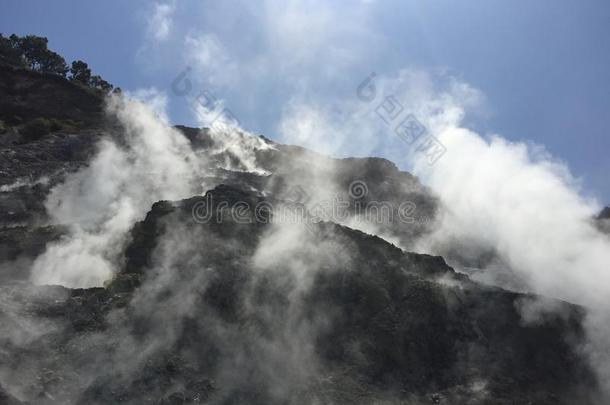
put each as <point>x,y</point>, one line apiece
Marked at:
<point>542,66</point>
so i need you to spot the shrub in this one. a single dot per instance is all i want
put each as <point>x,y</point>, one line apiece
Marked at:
<point>36,129</point>
<point>9,51</point>
<point>80,72</point>
<point>39,127</point>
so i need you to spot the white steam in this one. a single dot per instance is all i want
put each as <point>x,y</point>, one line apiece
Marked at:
<point>497,196</point>
<point>500,195</point>
<point>7,188</point>
<point>514,200</point>
<point>101,202</point>
<point>236,146</point>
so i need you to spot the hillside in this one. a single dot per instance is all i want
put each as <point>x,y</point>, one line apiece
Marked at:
<point>213,301</point>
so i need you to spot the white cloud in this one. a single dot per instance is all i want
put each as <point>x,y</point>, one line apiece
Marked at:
<point>159,23</point>
<point>211,58</point>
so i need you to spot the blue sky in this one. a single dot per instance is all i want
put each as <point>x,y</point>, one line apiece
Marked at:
<point>542,68</point>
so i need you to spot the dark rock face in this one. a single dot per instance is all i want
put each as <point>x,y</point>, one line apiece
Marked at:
<point>249,310</point>
<point>8,399</point>
<point>26,95</point>
<point>389,325</point>
<point>385,187</point>
<point>602,221</point>
<point>29,168</point>
<point>208,323</point>
<point>19,243</point>
<point>77,114</point>
<point>604,214</point>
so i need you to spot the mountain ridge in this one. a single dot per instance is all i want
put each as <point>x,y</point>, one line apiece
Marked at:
<point>246,309</point>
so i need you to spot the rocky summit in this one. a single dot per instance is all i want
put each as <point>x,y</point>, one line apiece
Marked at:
<point>240,286</point>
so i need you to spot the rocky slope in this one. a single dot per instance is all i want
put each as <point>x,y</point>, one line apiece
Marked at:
<point>220,305</point>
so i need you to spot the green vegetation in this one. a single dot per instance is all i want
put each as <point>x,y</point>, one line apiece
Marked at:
<point>37,128</point>
<point>3,127</point>
<point>31,52</point>
<point>80,72</point>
